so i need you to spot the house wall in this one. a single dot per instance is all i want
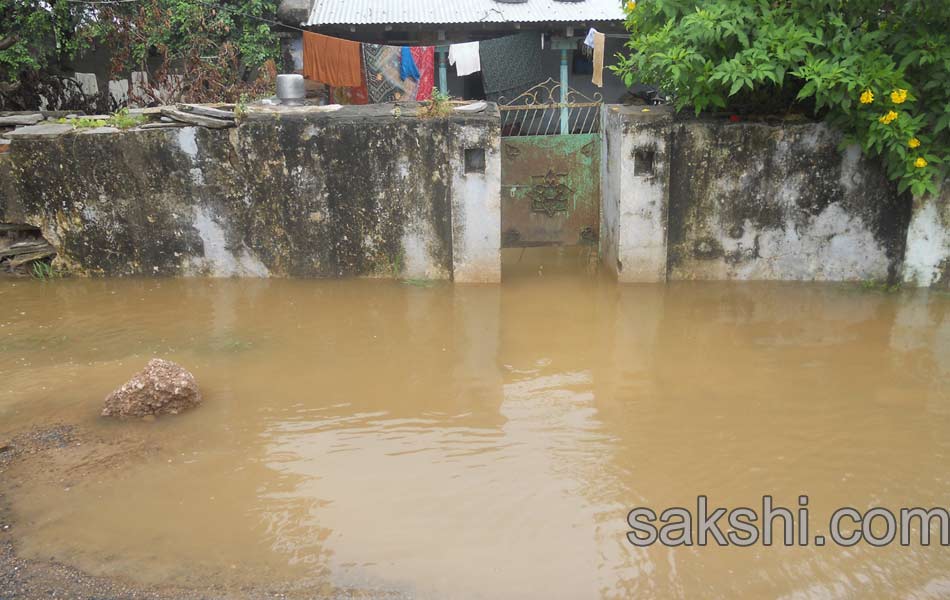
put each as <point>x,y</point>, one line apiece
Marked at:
<point>357,192</point>
<point>746,201</point>
<point>612,91</point>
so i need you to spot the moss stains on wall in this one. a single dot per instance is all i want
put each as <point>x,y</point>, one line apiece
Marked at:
<point>757,201</point>
<point>309,194</point>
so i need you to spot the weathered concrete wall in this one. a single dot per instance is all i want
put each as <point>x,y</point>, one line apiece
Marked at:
<point>361,191</point>
<point>927,259</point>
<point>636,194</point>
<point>746,201</point>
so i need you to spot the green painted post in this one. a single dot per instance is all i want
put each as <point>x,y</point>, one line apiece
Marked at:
<point>565,112</point>
<point>442,51</point>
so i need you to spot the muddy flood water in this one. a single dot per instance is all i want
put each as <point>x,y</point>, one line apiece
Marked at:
<point>483,441</point>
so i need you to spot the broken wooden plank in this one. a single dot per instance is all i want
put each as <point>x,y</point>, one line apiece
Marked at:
<point>206,111</point>
<point>148,111</point>
<point>27,247</point>
<point>163,125</point>
<point>199,120</point>
<point>13,263</point>
<point>19,120</point>
<point>17,227</point>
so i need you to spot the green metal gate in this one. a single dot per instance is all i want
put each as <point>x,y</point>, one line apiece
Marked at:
<point>550,180</point>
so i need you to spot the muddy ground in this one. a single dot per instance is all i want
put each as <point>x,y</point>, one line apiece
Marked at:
<point>65,454</point>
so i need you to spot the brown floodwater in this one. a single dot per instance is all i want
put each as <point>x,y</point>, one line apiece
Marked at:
<point>485,441</point>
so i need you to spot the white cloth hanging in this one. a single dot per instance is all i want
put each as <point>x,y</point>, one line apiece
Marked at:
<point>589,40</point>
<point>465,58</point>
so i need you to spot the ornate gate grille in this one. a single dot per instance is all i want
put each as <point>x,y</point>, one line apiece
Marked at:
<point>539,111</point>
<point>550,168</point>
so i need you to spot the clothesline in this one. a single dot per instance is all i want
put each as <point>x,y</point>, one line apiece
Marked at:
<point>381,73</point>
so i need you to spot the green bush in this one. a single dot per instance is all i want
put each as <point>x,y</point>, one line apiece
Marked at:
<point>122,119</point>
<point>192,50</point>
<point>879,71</point>
<point>34,32</point>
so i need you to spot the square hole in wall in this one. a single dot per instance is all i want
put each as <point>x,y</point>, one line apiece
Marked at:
<point>643,162</point>
<point>474,160</point>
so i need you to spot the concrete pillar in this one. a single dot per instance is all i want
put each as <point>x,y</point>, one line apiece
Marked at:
<point>476,200</point>
<point>927,256</point>
<point>635,188</point>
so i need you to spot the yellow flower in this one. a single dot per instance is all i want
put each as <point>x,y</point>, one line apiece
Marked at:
<point>867,97</point>
<point>913,143</point>
<point>888,117</point>
<point>631,5</point>
<point>898,96</point>
<point>920,163</point>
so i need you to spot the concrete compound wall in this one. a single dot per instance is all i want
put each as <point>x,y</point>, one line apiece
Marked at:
<point>709,199</point>
<point>369,191</point>
<point>363,191</point>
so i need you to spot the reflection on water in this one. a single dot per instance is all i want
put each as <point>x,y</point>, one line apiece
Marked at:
<point>487,441</point>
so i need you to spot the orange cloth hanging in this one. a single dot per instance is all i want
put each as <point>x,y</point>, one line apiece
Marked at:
<point>331,60</point>
<point>350,95</point>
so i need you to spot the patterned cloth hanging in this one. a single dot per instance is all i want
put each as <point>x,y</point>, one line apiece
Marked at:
<point>511,62</point>
<point>383,80</point>
<point>424,57</point>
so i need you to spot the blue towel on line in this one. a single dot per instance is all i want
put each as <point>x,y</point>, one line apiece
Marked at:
<point>407,66</point>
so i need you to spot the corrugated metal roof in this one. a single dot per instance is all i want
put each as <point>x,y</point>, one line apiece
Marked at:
<point>372,12</point>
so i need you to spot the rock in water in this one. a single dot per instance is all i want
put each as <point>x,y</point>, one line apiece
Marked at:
<point>163,387</point>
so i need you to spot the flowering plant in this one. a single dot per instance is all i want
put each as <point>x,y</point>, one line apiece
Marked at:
<point>879,72</point>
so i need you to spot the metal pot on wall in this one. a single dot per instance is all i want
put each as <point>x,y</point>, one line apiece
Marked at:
<point>290,89</point>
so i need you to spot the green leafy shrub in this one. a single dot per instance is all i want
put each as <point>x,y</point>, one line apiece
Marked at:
<point>205,50</point>
<point>44,271</point>
<point>125,120</point>
<point>192,50</point>
<point>122,119</point>
<point>34,32</point>
<point>438,105</point>
<point>878,71</point>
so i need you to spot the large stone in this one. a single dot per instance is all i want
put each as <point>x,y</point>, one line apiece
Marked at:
<point>163,387</point>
